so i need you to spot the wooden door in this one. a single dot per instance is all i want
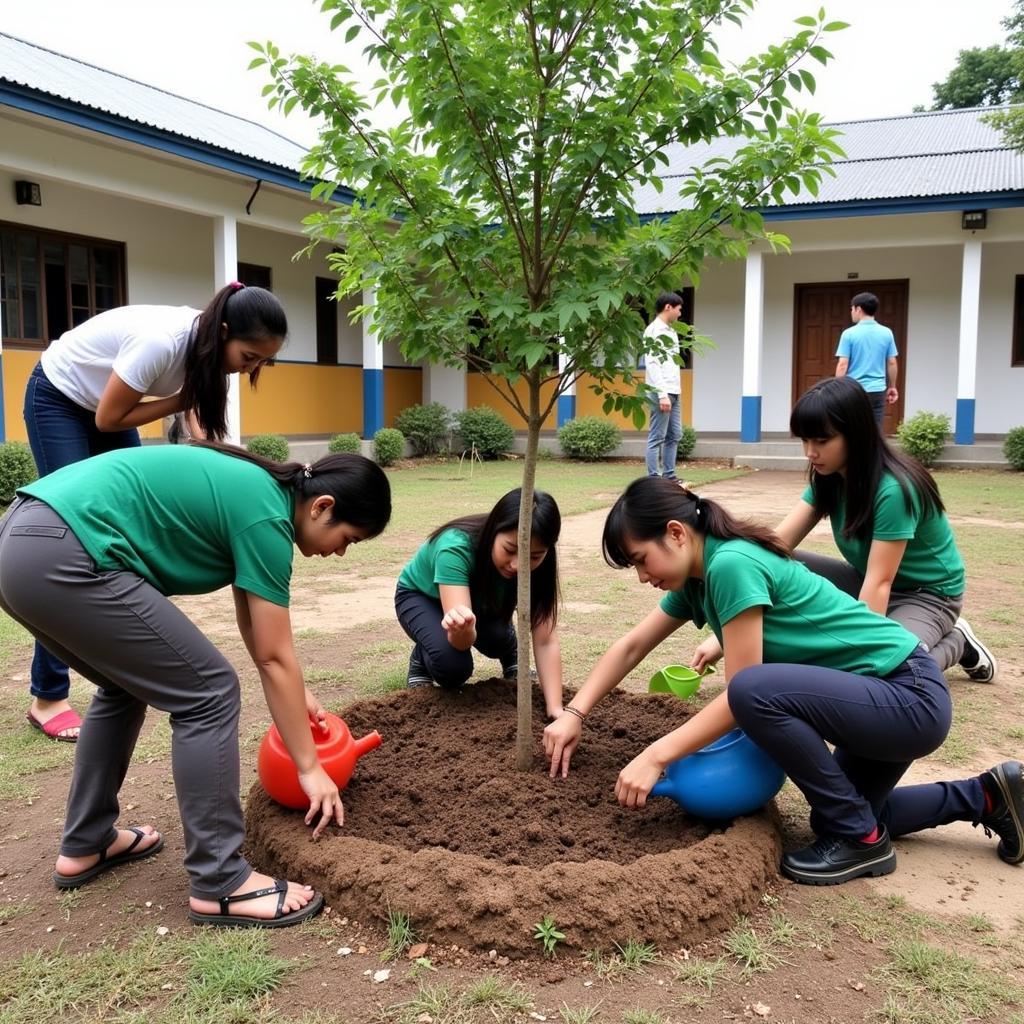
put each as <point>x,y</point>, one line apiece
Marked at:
<point>823,313</point>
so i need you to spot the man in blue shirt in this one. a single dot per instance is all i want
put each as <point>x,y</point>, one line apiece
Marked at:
<point>867,353</point>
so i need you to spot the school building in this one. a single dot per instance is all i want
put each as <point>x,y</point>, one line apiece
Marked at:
<point>112,191</point>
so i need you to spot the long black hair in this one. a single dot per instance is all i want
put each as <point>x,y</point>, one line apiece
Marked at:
<point>359,487</point>
<point>251,314</point>
<point>649,504</point>
<point>840,406</point>
<point>485,581</point>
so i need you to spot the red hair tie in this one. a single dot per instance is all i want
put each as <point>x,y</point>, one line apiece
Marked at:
<point>236,286</point>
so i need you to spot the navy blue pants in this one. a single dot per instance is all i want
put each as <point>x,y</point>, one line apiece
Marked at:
<point>60,433</point>
<point>878,727</point>
<point>420,616</point>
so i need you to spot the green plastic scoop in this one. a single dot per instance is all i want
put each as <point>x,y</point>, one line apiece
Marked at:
<point>681,680</point>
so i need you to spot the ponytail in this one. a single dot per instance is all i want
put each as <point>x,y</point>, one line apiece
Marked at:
<point>250,314</point>
<point>650,503</point>
<point>359,487</point>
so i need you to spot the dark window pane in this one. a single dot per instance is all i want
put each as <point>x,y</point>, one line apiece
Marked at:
<point>9,306</point>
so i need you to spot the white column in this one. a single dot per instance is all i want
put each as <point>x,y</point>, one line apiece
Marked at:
<point>373,371</point>
<point>753,347</point>
<point>967,365</point>
<point>445,384</point>
<point>225,269</point>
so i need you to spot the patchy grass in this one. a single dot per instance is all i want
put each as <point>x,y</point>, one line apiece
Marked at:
<point>700,973</point>
<point>755,952</point>
<point>400,935</point>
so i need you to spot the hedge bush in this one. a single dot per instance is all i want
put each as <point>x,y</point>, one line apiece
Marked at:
<point>17,468</point>
<point>387,445</point>
<point>484,428</point>
<point>270,446</point>
<point>345,443</point>
<point>589,437</point>
<point>687,442</point>
<point>923,436</point>
<point>425,426</point>
<point>1013,448</point>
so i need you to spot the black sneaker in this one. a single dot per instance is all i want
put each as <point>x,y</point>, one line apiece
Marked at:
<point>1005,785</point>
<point>981,664</point>
<point>418,675</point>
<point>833,860</point>
<point>511,674</point>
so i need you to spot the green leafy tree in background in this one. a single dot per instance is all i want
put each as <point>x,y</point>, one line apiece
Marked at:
<point>496,222</point>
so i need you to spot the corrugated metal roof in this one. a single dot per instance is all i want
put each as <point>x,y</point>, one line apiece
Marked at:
<point>938,153</point>
<point>54,74</point>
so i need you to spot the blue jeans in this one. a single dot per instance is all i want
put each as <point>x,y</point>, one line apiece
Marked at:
<point>878,726</point>
<point>61,432</point>
<point>663,438</point>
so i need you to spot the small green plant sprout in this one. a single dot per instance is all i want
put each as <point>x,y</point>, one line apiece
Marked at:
<point>548,935</point>
<point>636,954</point>
<point>400,935</point>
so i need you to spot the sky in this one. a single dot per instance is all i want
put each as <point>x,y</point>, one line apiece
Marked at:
<point>886,61</point>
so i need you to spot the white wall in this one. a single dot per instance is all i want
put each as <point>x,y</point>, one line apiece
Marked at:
<point>1000,385</point>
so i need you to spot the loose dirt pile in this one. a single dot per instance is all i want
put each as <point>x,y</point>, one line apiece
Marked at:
<point>441,826</point>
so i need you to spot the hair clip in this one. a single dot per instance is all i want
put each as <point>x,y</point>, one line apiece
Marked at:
<point>236,286</point>
<point>307,471</point>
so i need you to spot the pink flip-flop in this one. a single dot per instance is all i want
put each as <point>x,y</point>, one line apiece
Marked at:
<point>55,726</point>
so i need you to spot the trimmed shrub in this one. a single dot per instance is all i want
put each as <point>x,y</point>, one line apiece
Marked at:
<point>344,443</point>
<point>17,468</point>
<point>387,445</point>
<point>687,442</point>
<point>270,446</point>
<point>923,436</point>
<point>589,437</point>
<point>1013,448</point>
<point>425,426</point>
<point>485,429</point>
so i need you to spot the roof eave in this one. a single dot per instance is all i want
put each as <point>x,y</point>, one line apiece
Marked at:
<point>68,112</point>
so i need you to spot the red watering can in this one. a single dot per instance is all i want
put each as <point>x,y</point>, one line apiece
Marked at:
<point>337,750</point>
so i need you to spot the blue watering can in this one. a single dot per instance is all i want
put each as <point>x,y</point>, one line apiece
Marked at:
<point>727,778</point>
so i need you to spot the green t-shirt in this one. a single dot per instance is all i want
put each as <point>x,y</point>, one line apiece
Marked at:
<point>188,520</point>
<point>930,561</point>
<point>448,559</point>
<point>807,621</point>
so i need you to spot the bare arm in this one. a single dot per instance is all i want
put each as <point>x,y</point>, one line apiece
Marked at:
<point>547,652</point>
<point>892,367</point>
<point>842,365</point>
<point>743,642</point>
<point>459,620</point>
<point>799,522</point>
<point>122,407</point>
<point>884,559</point>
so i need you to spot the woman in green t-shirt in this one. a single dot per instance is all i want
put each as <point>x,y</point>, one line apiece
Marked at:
<point>888,521</point>
<point>89,556</point>
<point>459,592</point>
<point>806,665</point>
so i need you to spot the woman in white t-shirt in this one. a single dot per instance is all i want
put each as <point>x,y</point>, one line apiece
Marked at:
<point>100,381</point>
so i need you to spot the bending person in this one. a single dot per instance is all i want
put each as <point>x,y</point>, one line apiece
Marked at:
<point>806,666</point>
<point>114,538</point>
<point>88,394</point>
<point>459,592</point>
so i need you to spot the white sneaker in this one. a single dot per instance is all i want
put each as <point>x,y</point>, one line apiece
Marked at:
<point>986,667</point>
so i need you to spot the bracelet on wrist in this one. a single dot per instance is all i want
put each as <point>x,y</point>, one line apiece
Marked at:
<point>574,711</point>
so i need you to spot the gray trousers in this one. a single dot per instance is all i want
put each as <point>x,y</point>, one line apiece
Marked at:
<point>122,634</point>
<point>930,617</point>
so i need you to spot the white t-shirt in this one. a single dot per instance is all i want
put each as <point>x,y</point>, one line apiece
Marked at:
<point>662,374</point>
<point>144,345</point>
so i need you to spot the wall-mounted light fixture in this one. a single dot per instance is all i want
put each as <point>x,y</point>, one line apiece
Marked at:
<point>27,193</point>
<point>974,220</point>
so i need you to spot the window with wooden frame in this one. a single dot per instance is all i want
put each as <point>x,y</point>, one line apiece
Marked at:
<point>1017,350</point>
<point>255,275</point>
<point>51,282</point>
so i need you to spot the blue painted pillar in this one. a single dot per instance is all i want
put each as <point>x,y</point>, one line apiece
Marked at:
<point>373,373</point>
<point>967,365</point>
<point>753,348</point>
<point>566,401</point>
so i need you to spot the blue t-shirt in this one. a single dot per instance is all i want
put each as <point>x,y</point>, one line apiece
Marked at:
<point>867,345</point>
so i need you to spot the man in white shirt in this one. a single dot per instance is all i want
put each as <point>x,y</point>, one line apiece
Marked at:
<point>663,378</point>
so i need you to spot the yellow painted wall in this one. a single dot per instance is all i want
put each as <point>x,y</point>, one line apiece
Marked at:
<point>589,404</point>
<point>18,365</point>
<point>402,388</point>
<point>479,392</point>
<point>304,398</point>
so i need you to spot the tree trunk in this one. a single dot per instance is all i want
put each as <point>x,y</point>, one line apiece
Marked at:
<point>524,687</point>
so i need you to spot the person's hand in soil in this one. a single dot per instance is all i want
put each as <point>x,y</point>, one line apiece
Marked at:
<point>316,711</point>
<point>324,799</point>
<point>459,623</point>
<point>637,779</point>
<point>707,653</point>
<point>561,738</point>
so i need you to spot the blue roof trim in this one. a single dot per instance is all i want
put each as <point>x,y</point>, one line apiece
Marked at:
<point>876,207</point>
<point>34,102</point>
